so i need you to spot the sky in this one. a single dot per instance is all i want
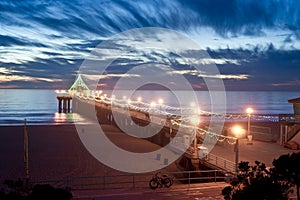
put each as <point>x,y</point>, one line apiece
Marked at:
<point>254,44</point>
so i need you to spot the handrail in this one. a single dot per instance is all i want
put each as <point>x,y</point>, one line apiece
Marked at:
<point>289,118</point>
<point>294,130</point>
<point>133,180</point>
<point>221,162</point>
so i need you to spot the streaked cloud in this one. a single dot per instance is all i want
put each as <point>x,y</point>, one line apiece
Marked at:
<point>290,83</point>
<point>46,41</point>
<point>11,78</point>
<point>203,75</point>
<point>108,76</point>
<point>5,71</point>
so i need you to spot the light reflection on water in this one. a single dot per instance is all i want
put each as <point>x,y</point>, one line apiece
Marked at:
<point>67,118</point>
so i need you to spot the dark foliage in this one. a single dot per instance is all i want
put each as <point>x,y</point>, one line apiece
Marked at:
<point>47,192</point>
<point>256,182</point>
<point>16,190</point>
<point>287,168</point>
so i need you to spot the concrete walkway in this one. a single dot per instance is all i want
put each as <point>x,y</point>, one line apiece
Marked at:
<point>264,152</point>
<point>201,191</point>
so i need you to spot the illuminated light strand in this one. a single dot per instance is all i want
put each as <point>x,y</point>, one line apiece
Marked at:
<point>165,109</point>
<point>120,103</point>
<point>218,137</point>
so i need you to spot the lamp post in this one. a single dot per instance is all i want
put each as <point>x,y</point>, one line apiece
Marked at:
<point>112,98</point>
<point>139,99</point>
<point>249,136</point>
<point>237,130</point>
<point>160,102</point>
<point>152,105</point>
<point>128,104</point>
<point>195,121</point>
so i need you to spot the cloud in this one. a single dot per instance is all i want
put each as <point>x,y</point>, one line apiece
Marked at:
<point>218,76</point>
<point>246,17</point>
<point>12,78</point>
<point>289,83</point>
<point>108,76</point>
<point>4,71</point>
<point>49,39</point>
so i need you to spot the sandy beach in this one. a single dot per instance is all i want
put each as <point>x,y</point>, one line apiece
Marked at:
<point>55,151</point>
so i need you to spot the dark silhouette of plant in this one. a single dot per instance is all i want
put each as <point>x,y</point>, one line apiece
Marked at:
<point>256,182</point>
<point>287,168</point>
<point>47,192</point>
<point>16,190</point>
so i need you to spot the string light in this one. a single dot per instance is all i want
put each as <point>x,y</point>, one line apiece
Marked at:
<point>178,116</point>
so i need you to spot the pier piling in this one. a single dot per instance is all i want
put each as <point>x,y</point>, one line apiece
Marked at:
<point>64,104</point>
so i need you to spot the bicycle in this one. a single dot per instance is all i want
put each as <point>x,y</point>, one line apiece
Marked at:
<point>160,180</point>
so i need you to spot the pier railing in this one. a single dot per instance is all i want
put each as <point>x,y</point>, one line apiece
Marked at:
<point>220,162</point>
<point>134,180</point>
<point>289,118</point>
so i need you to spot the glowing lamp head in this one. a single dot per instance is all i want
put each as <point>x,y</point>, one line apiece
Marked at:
<point>124,97</point>
<point>249,110</point>
<point>152,104</point>
<point>237,131</point>
<point>193,104</point>
<point>139,99</point>
<point>160,101</point>
<point>129,101</point>
<point>195,120</point>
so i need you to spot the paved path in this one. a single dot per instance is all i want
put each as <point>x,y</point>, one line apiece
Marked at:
<point>264,152</point>
<point>201,191</point>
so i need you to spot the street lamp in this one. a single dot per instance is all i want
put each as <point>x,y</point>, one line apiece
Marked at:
<point>139,99</point>
<point>152,105</point>
<point>160,102</point>
<point>195,121</point>
<point>128,103</point>
<point>112,98</point>
<point>237,130</point>
<point>249,136</point>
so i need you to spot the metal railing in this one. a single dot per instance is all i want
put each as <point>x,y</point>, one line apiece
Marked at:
<point>289,118</point>
<point>134,180</point>
<point>220,162</point>
<point>293,131</point>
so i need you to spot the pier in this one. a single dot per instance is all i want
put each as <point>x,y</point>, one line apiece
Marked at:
<point>225,154</point>
<point>188,142</point>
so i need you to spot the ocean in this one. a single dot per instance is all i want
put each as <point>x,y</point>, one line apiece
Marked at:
<point>40,106</point>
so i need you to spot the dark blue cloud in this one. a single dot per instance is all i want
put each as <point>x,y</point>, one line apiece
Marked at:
<point>108,17</point>
<point>67,28</point>
<point>247,16</point>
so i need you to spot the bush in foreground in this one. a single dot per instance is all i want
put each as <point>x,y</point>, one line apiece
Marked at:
<point>16,190</point>
<point>260,183</point>
<point>256,182</point>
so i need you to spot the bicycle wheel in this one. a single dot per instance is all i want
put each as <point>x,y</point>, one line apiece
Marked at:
<point>171,179</point>
<point>153,184</point>
<point>168,182</point>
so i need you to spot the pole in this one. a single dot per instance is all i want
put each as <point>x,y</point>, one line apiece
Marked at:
<point>249,136</point>
<point>195,143</point>
<point>236,155</point>
<point>248,132</point>
<point>26,159</point>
